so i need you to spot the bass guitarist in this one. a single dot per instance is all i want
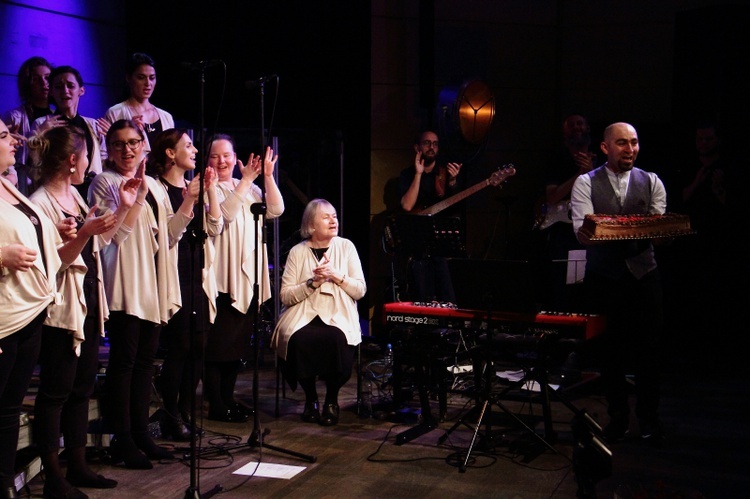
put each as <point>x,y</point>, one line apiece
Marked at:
<point>421,185</point>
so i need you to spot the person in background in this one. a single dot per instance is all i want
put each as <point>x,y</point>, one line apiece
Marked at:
<point>422,185</point>
<point>29,263</point>
<point>572,158</point>
<point>140,77</point>
<point>67,89</point>
<point>69,358</point>
<point>318,328</point>
<point>170,160</point>
<point>142,256</point>
<point>623,283</point>
<point>712,187</point>
<point>33,89</point>
<point>238,258</point>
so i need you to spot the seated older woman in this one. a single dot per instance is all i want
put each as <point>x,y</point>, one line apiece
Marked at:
<point>318,329</point>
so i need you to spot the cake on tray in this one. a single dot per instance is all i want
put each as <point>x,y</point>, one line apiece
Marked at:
<point>599,227</point>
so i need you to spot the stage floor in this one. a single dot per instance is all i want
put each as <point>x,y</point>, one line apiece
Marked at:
<point>705,454</point>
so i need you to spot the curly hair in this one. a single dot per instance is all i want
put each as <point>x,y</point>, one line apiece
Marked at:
<point>51,150</point>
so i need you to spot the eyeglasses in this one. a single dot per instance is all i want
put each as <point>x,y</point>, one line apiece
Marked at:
<point>428,143</point>
<point>132,144</point>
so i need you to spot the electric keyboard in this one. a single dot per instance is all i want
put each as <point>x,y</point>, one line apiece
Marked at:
<point>441,315</point>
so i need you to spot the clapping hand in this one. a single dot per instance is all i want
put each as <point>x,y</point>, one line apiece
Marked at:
<point>269,162</point>
<point>419,163</point>
<point>67,228</point>
<point>95,225</point>
<point>252,170</point>
<point>128,191</point>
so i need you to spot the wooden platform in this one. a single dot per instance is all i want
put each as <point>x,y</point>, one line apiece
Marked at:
<point>706,454</point>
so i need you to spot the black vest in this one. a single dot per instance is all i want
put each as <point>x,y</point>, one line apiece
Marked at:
<point>613,259</point>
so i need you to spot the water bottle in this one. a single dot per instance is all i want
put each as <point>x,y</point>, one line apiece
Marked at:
<point>367,402</point>
<point>388,355</point>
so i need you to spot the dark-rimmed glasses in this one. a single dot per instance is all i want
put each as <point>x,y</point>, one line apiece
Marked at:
<point>133,144</point>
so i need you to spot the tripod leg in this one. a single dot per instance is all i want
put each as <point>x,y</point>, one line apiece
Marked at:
<point>462,468</point>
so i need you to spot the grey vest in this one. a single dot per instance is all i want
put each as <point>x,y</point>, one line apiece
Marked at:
<point>613,259</point>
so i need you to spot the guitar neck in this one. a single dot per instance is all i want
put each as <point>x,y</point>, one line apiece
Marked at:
<point>445,203</point>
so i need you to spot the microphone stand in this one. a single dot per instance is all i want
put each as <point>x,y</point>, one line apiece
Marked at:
<point>255,439</point>
<point>197,240</point>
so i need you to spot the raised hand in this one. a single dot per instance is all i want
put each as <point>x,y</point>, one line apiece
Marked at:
<point>52,122</point>
<point>128,191</point>
<point>210,178</point>
<point>102,126</point>
<point>140,174</point>
<point>252,170</point>
<point>419,163</point>
<point>192,190</point>
<point>269,162</point>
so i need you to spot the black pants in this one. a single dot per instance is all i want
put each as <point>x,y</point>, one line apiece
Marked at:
<point>130,372</point>
<point>17,363</point>
<point>66,383</point>
<point>183,361</point>
<point>631,341</point>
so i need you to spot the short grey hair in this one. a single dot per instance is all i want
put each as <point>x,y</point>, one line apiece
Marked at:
<point>308,216</point>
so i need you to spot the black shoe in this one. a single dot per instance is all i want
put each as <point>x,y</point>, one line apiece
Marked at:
<point>152,451</point>
<point>330,416</point>
<point>615,430</point>
<point>228,416</point>
<point>91,481</point>
<point>175,429</point>
<point>124,450</point>
<point>61,489</point>
<point>197,429</point>
<point>241,411</point>
<point>651,431</point>
<point>311,414</point>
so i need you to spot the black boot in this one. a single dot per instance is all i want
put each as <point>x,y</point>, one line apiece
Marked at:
<point>123,449</point>
<point>175,429</point>
<point>153,451</point>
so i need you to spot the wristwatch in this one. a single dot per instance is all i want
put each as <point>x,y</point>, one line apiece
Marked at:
<point>310,284</point>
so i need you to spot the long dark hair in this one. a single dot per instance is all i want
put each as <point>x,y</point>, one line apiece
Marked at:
<point>24,76</point>
<point>158,162</point>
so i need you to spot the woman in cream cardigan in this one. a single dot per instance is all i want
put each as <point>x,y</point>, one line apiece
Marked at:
<point>142,287</point>
<point>28,265</point>
<point>318,329</point>
<point>69,358</point>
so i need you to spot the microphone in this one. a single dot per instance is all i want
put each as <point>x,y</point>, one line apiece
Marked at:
<point>201,64</point>
<point>250,84</point>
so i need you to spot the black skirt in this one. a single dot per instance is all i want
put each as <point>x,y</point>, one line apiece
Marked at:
<point>231,335</point>
<point>317,349</point>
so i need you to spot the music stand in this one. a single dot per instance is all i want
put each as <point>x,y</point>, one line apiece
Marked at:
<point>495,287</point>
<point>428,235</point>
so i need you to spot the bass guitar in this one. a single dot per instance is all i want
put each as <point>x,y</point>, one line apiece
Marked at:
<point>392,237</point>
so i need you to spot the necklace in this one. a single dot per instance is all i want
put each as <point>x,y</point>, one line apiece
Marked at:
<point>79,216</point>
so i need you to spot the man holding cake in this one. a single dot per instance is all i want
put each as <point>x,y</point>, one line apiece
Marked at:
<point>622,280</point>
